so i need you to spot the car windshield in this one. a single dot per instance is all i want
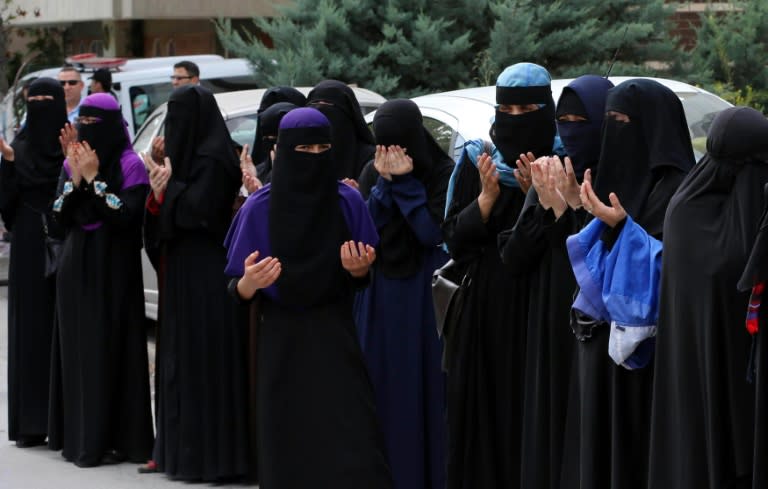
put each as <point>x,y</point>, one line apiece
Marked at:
<point>700,109</point>
<point>243,129</point>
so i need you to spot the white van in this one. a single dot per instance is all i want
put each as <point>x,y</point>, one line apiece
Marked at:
<point>141,85</point>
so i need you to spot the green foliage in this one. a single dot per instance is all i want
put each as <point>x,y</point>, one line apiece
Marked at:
<point>574,37</point>
<point>731,55</point>
<point>396,47</point>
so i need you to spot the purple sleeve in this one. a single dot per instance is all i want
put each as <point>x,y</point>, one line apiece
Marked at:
<point>249,232</point>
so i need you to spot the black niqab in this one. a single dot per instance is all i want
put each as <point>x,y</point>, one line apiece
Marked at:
<point>195,130</point>
<point>272,96</point>
<point>636,155</point>
<point>532,131</point>
<point>108,138</point>
<point>268,125</point>
<point>399,122</point>
<point>306,224</point>
<point>38,154</point>
<point>352,144</point>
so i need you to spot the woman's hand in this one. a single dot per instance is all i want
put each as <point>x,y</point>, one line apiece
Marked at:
<point>544,179</point>
<point>159,175</point>
<point>612,215</point>
<point>357,259</point>
<point>157,151</point>
<point>88,161</point>
<point>352,183</point>
<point>250,182</point>
<point>67,136</point>
<point>399,162</point>
<point>258,275</point>
<point>7,151</point>
<point>381,162</point>
<point>523,172</point>
<point>489,180</point>
<point>74,164</point>
<point>567,185</point>
<point>246,162</point>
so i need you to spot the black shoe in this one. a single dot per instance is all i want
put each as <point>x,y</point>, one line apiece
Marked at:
<point>113,457</point>
<point>30,441</point>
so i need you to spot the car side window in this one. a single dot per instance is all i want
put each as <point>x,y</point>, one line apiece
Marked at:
<point>143,140</point>
<point>443,134</point>
<point>242,130</point>
<point>146,98</point>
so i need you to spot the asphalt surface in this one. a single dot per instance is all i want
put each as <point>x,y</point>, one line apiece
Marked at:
<point>40,468</point>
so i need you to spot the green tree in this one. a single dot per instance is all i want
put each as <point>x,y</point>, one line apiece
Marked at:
<point>731,54</point>
<point>574,37</point>
<point>395,47</point>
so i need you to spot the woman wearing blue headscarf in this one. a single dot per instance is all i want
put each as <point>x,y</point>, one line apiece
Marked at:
<point>536,245</point>
<point>485,347</point>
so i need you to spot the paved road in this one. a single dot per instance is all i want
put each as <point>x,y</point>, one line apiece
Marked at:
<point>40,468</point>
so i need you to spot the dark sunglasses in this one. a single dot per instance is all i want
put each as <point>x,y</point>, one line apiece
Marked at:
<point>71,83</point>
<point>177,77</point>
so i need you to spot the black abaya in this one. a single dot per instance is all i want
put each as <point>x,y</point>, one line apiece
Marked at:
<point>486,352</point>
<point>702,427</point>
<point>201,388</point>
<point>100,380</point>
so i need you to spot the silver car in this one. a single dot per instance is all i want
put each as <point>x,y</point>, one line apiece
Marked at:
<point>239,111</point>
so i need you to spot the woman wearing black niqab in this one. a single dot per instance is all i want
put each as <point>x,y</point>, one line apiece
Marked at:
<point>401,345</point>
<point>646,153</point>
<point>100,403</point>
<point>536,245</point>
<point>27,189</point>
<point>702,431</point>
<point>201,387</point>
<point>316,419</point>
<point>485,350</point>
<point>353,144</point>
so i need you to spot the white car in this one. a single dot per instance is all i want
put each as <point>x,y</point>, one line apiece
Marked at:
<point>239,111</point>
<point>462,115</point>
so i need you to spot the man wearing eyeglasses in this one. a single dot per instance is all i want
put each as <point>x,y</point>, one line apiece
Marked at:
<point>185,73</point>
<point>73,85</point>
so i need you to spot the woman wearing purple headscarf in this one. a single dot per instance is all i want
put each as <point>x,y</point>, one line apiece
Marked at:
<point>100,403</point>
<point>302,245</point>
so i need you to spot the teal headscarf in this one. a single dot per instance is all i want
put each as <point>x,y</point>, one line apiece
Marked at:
<point>520,75</point>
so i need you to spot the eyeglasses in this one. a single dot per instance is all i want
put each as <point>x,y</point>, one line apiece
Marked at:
<point>71,83</point>
<point>177,77</point>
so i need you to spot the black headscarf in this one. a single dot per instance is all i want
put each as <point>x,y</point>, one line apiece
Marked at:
<point>38,154</point>
<point>306,223</point>
<point>739,137</point>
<point>195,130</point>
<point>107,137</point>
<point>399,122</point>
<point>636,155</point>
<point>353,144</point>
<point>272,96</point>
<point>269,122</point>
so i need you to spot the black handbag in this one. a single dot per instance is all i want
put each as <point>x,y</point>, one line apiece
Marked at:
<point>53,248</point>
<point>449,285</point>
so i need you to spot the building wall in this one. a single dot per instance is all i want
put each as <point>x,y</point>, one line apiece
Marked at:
<point>65,11</point>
